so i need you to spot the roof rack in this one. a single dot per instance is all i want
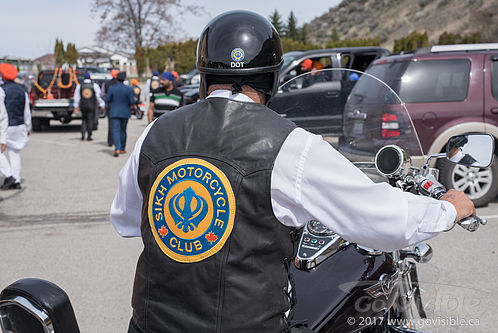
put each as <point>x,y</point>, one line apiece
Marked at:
<point>464,47</point>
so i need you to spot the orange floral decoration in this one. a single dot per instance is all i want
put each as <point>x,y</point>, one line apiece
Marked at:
<point>45,91</point>
<point>69,84</point>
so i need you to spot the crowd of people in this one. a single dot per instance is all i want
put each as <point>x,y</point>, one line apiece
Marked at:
<point>114,97</point>
<point>119,100</point>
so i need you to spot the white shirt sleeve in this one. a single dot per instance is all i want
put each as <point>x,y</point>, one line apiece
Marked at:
<point>312,181</point>
<point>76,96</point>
<point>4,118</point>
<point>27,113</point>
<point>100,101</point>
<point>126,208</point>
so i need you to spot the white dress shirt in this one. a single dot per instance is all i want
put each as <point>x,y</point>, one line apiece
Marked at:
<point>312,181</point>
<point>4,119</point>
<point>96,89</point>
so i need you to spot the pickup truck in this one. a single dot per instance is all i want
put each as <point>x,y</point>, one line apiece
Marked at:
<point>51,97</point>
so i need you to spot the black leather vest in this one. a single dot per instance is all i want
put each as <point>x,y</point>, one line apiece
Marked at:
<point>88,99</point>
<point>15,101</point>
<point>243,286</point>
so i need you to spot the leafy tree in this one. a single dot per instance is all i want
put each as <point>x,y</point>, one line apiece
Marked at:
<point>71,54</point>
<point>447,38</point>
<point>293,45</point>
<point>292,30</point>
<point>303,34</point>
<point>184,55</point>
<point>354,42</point>
<point>140,58</point>
<point>276,20</point>
<point>411,42</point>
<point>59,52</point>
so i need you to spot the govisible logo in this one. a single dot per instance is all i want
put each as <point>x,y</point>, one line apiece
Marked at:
<point>237,56</point>
<point>191,210</point>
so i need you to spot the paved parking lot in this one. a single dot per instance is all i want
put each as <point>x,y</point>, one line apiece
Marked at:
<point>57,228</point>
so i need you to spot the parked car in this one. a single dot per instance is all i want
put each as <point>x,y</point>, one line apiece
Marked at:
<point>325,118</point>
<point>97,74</point>
<point>448,90</point>
<point>52,98</point>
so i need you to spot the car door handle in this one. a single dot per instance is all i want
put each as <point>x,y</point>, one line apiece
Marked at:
<point>494,110</point>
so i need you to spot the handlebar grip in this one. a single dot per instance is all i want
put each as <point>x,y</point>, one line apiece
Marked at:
<point>472,223</point>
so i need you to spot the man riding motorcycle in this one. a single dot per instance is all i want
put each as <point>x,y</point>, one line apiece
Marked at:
<point>218,190</point>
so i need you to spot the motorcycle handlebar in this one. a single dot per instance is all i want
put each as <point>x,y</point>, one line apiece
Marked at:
<point>429,186</point>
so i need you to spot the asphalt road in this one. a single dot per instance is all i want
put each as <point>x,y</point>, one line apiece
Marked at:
<point>57,228</point>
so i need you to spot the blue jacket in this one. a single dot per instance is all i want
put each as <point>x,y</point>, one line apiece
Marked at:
<point>121,99</point>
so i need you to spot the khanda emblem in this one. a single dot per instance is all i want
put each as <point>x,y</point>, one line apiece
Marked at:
<point>186,217</point>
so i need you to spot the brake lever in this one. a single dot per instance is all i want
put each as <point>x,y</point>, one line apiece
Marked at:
<point>472,223</point>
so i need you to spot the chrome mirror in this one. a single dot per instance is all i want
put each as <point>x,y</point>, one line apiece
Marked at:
<point>21,315</point>
<point>474,150</point>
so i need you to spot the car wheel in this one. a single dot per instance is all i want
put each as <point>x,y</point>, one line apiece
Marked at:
<point>480,184</point>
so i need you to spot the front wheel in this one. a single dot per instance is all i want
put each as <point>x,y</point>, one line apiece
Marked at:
<point>479,184</point>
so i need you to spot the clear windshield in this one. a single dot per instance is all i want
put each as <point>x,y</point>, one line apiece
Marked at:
<point>354,111</point>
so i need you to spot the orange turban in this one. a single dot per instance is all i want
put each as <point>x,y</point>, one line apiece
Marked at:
<point>114,73</point>
<point>134,82</point>
<point>307,64</point>
<point>8,71</point>
<point>317,65</point>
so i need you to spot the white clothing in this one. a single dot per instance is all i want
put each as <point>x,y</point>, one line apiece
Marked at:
<point>312,181</point>
<point>96,89</point>
<point>17,139</point>
<point>4,119</point>
<point>12,166</point>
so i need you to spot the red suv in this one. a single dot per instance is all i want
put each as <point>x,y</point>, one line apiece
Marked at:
<point>448,90</point>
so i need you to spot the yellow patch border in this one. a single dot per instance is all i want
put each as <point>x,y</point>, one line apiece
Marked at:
<point>231,216</point>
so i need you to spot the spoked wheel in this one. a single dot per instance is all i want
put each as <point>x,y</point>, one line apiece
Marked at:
<point>480,184</point>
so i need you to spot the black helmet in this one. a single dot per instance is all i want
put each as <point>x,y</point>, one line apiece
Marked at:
<point>240,45</point>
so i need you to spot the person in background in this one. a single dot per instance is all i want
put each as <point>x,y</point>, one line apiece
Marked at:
<point>177,82</point>
<point>120,98</point>
<point>4,125</point>
<point>16,101</point>
<point>137,93</point>
<point>152,84</point>
<point>166,98</point>
<point>105,88</point>
<point>86,100</point>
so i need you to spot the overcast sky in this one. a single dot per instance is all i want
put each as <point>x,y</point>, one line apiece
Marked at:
<point>30,27</point>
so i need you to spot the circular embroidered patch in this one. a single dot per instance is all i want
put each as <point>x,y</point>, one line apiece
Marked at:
<point>87,93</point>
<point>191,210</point>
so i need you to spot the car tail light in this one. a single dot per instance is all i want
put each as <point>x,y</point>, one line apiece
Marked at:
<point>390,126</point>
<point>31,97</point>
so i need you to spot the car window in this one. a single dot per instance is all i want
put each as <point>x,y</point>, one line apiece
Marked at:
<point>494,78</point>
<point>424,81</point>
<point>435,81</point>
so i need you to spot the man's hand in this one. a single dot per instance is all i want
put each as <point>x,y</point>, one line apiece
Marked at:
<point>463,205</point>
<point>3,146</point>
<point>76,110</point>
